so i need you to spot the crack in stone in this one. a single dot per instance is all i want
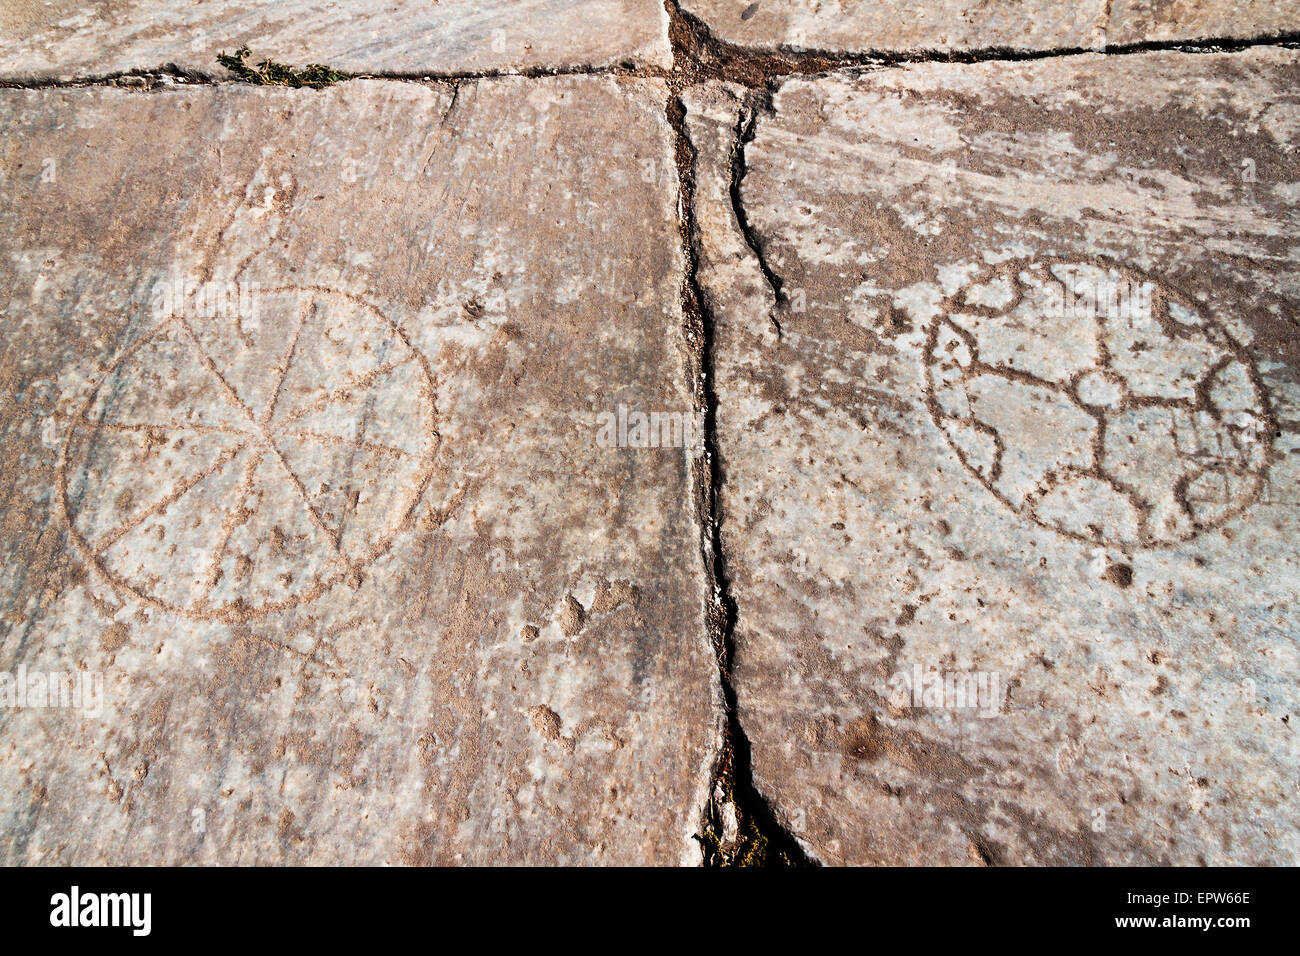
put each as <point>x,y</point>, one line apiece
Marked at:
<point>746,123</point>
<point>143,80</point>
<point>698,56</point>
<point>169,75</point>
<point>710,58</point>
<point>758,838</point>
<point>739,828</point>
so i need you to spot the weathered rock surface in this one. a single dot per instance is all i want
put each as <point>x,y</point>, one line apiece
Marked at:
<point>910,26</point>
<point>361,583</point>
<point>64,39</point>
<point>1011,459</point>
<point>1140,21</point>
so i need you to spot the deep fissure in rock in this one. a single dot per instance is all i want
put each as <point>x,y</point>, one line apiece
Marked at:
<point>698,56</point>
<point>739,827</point>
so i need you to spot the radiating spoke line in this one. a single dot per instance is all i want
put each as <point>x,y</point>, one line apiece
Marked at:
<point>306,307</point>
<point>212,367</point>
<point>166,501</point>
<point>336,440</point>
<point>140,428</point>
<point>230,521</point>
<point>144,340</point>
<point>1011,373</point>
<point>365,381</point>
<point>315,516</point>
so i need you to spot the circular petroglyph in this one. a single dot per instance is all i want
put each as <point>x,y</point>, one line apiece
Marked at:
<point>238,465</point>
<point>1098,403</point>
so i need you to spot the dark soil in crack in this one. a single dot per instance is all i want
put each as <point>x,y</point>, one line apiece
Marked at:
<point>699,56</point>
<point>759,839</point>
<point>756,837</point>
<point>753,836</point>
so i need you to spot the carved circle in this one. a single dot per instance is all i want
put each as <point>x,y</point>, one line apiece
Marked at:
<point>223,468</point>
<point>1098,403</point>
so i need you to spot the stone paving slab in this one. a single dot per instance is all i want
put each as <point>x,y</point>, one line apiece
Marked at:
<point>1144,21</point>
<point>66,39</point>
<point>1011,459</point>
<point>332,522</point>
<point>910,26</point>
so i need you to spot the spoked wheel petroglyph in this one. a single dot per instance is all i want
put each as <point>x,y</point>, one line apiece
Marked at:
<point>1098,403</point>
<point>226,468</point>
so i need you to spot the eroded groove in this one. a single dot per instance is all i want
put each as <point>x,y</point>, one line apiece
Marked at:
<point>739,828</point>
<point>746,122</point>
<point>709,58</point>
<point>169,75</point>
<point>698,56</point>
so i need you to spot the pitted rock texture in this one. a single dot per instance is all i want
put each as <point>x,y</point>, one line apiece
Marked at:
<point>65,39</point>
<point>300,407</point>
<point>1117,416</point>
<point>906,26</point>
<point>1009,415</point>
<point>315,385</point>
<point>1159,21</point>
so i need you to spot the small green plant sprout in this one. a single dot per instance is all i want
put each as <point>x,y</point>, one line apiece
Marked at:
<point>270,73</point>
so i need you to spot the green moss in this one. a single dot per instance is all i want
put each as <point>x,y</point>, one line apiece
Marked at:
<point>753,848</point>
<point>750,848</point>
<point>270,73</point>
